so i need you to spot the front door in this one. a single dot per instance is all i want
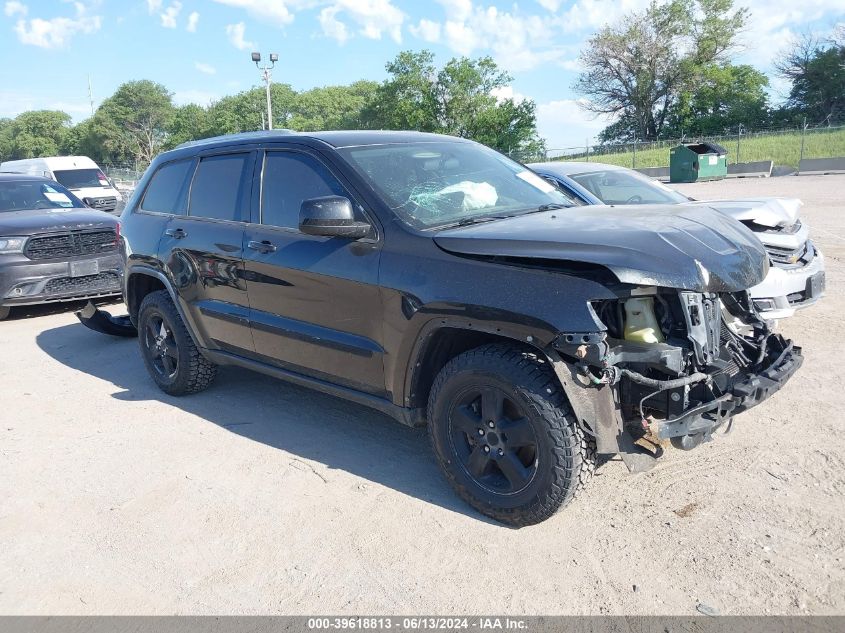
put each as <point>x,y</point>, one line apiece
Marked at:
<point>314,301</point>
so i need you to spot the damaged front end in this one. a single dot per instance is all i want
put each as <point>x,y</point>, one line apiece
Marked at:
<point>672,365</point>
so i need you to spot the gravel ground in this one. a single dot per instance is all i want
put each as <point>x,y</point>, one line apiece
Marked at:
<point>260,497</point>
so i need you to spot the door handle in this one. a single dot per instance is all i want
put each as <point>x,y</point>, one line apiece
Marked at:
<point>176,233</point>
<point>262,247</point>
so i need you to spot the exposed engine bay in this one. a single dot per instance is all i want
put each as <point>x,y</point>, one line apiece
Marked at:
<point>681,364</point>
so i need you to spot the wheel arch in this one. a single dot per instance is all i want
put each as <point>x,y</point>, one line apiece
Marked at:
<point>444,339</point>
<point>141,281</point>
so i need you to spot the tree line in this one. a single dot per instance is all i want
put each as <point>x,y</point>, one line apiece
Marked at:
<point>140,119</point>
<point>665,72</point>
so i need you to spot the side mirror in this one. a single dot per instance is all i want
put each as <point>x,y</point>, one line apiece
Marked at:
<point>331,216</point>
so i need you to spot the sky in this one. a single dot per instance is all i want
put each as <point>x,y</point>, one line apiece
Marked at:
<point>199,49</point>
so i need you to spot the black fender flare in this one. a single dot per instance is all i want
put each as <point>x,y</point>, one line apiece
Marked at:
<point>174,296</point>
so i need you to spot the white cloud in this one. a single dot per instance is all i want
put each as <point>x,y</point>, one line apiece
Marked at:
<point>235,33</point>
<point>153,6</point>
<point>200,97</point>
<point>373,17</point>
<point>276,11</point>
<point>206,69</point>
<point>332,27</point>
<point>169,15</point>
<point>507,92</point>
<point>13,7</point>
<point>426,30</point>
<point>193,19</point>
<point>550,5</point>
<point>566,125</point>
<point>57,32</point>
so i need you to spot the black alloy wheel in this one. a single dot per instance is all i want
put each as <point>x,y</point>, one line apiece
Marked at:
<point>493,439</point>
<point>161,346</point>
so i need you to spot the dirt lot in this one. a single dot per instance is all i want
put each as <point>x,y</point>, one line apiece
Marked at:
<point>260,497</point>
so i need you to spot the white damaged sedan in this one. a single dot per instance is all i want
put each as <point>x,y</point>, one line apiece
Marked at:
<point>796,276</point>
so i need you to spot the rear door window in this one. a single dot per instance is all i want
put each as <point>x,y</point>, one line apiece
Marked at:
<point>217,189</point>
<point>166,191</point>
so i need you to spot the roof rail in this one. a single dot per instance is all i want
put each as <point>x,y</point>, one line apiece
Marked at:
<point>236,136</point>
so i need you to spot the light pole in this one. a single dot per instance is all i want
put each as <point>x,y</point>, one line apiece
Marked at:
<point>267,75</point>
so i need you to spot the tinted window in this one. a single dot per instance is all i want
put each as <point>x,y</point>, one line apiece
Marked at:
<point>290,178</point>
<point>164,194</point>
<point>216,190</point>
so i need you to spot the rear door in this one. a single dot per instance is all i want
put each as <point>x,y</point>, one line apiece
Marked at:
<point>314,301</point>
<point>203,250</point>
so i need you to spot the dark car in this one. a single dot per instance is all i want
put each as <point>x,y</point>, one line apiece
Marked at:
<point>53,247</point>
<point>433,279</point>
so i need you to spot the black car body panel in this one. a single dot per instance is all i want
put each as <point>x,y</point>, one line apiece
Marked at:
<point>648,245</point>
<point>68,253</point>
<point>373,319</point>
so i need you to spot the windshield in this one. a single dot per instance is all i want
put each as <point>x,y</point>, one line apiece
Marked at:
<point>18,195</point>
<point>440,183</point>
<point>614,186</point>
<point>79,178</point>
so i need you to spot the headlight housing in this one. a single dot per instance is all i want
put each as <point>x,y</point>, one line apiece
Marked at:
<point>12,244</point>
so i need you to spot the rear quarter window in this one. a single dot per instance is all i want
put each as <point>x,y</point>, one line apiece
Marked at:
<point>166,191</point>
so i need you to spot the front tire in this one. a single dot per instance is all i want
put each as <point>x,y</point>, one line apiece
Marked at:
<point>504,436</point>
<point>170,355</point>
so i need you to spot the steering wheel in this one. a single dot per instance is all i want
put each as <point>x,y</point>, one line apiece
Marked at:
<point>634,199</point>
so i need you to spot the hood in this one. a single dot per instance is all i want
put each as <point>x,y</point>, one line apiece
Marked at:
<point>52,220</point>
<point>694,248</point>
<point>771,212</point>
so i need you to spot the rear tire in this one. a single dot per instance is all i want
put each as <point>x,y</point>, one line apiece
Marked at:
<point>170,355</point>
<point>504,435</point>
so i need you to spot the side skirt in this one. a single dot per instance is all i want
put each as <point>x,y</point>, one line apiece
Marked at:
<point>408,417</point>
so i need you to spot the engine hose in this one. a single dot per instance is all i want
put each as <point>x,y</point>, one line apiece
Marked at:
<point>763,348</point>
<point>663,385</point>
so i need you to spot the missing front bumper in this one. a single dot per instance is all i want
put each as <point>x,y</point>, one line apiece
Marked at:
<point>747,390</point>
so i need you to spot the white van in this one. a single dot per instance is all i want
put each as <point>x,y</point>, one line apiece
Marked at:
<point>80,174</point>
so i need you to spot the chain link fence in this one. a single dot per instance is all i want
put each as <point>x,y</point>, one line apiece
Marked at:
<point>784,146</point>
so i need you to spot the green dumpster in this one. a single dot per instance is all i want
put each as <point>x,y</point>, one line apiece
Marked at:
<point>694,162</point>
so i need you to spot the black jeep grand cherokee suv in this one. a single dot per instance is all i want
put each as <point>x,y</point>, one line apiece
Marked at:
<point>436,280</point>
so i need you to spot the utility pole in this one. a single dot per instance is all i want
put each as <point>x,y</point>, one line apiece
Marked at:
<point>266,74</point>
<point>90,95</point>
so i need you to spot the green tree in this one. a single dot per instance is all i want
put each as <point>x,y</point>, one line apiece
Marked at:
<point>637,69</point>
<point>407,99</point>
<point>36,133</point>
<point>459,99</point>
<point>5,138</point>
<point>190,122</point>
<point>332,107</point>
<point>723,98</point>
<point>135,120</point>
<point>816,69</point>
<point>247,111</point>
